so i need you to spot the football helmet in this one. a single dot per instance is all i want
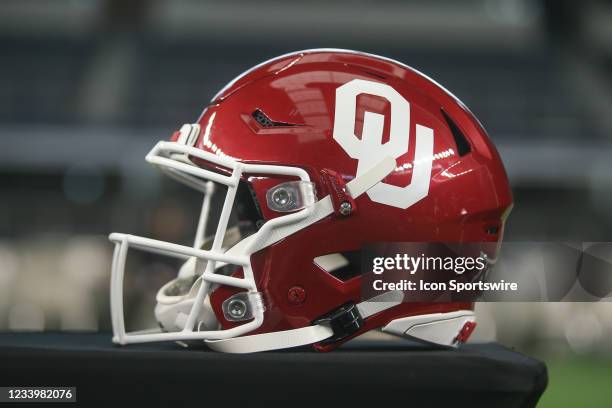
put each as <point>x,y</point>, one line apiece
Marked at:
<point>318,154</point>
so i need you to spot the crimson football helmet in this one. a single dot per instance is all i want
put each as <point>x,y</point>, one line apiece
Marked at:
<point>318,153</point>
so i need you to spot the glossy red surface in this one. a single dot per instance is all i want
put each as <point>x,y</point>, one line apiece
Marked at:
<point>468,195</point>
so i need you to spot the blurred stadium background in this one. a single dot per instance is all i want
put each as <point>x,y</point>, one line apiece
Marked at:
<point>88,86</point>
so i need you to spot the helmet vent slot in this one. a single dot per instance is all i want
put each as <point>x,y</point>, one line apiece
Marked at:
<point>342,266</point>
<point>265,121</point>
<point>463,147</point>
<point>493,230</point>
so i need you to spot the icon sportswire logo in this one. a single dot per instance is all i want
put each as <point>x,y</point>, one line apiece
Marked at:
<point>369,150</point>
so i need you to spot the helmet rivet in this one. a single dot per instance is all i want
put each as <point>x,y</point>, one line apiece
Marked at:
<point>345,208</point>
<point>281,197</point>
<point>296,295</point>
<point>237,308</point>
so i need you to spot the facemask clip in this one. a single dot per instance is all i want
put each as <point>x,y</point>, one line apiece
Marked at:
<point>343,202</point>
<point>242,306</point>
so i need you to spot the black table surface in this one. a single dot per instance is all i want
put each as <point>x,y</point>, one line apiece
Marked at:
<point>358,374</point>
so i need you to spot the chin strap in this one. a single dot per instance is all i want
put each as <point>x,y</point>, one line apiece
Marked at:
<point>272,341</point>
<point>304,335</point>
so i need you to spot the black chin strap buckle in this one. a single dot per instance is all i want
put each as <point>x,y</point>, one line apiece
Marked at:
<point>344,321</point>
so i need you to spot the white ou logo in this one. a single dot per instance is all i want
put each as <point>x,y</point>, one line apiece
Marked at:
<point>369,150</point>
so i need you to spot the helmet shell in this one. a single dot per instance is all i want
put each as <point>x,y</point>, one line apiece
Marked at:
<point>467,200</point>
